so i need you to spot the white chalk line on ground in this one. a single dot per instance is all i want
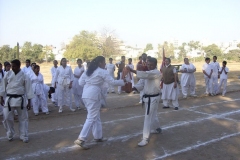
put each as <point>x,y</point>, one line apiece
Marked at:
<point>115,96</point>
<point>189,148</point>
<point>125,119</point>
<point>124,138</point>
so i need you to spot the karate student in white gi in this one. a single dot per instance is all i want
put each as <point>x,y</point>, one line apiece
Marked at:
<point>149,83</point>
<point>188,80</point>
<point>120,65</point>
<point>77,89</point>
<point>27,68</point>
<point>170,88</point>
<point>48,91</point>
<point>39,99</point>
<point>1,77</point>
<point>223,71</point>
<point>207,71</point>
<point>63,82</point>
<point>111,68</point>
<point>7,67</point>
<point>130,65</point>
<point>53,73</point>
<point>214,76</point>
<point>18,88</point>
<point>92,80</point>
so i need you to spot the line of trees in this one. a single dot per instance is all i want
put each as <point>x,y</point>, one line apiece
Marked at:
<point>36,53</point>
<point>88,45</point>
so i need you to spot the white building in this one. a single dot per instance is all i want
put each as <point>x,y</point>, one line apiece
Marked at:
<point>152,53</point>
<point>195,53</point>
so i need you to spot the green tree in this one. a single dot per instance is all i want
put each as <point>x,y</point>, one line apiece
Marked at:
<point>27,51</point>
<point>84,45</point>
<point>212,50</point>
<point>6,53</point>
<point>109,47</point>
<point>38,54</point>
<point>238,45</point>
<point>182,52</point>
<point>148,47</point>
<point>233,55</point>
<point>194,45</point>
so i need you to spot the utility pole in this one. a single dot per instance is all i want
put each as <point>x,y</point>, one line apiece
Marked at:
<point>17,56</point>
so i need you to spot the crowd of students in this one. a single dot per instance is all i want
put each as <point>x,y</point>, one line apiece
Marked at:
<point>22,89</point>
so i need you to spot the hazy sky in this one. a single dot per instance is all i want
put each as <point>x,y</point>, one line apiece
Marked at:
<point>135,21</point>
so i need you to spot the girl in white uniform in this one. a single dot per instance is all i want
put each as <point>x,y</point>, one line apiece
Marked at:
<point>53,72</point>
<point>92,80</point>
<point>77,89</point>
<point>63,81</point>
<point>39,99</point>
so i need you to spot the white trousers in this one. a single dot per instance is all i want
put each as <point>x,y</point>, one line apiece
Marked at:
<point>64,96</point>
<point>54,95</point>
<point>78,100</point>
<point>209,86</point>
<point>223,85</point>
<point>8,122</point>
<point>39,101</point>
<point>174,103</point>
<point>151,121</point>
<point>214,84</point>
<point>104,97</point>
<point>111,87</point>
<point>141,95</point>
<point>185,90</point>
<point>120,87</point>
<point>132,81</point>
<point>93,121</point>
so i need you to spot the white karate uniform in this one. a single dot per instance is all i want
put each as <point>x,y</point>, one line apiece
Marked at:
<point>110,68</point>
<point>208,81</point>
<point>18,84</point>
<point>149,84</point>
<point>104,92</point>
<point>214,77</point>
<point>54,95</point>
<point>132,67</point>
<point>46,89</point>
<point>85,66</point>
<point>39,99</point>
<point>1,77</point>
<point>77,89</point>
<point>92,95</point>
<point>169,93</point>
<point>188,80</point>
<point>63,78</point>
<point>26,70</point>
<point>223,81</point>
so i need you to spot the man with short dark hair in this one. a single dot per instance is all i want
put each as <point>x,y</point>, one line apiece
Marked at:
<point>27,68</point>
<point>149,84</point>
<point>17,86</point>
<point>216,67</point>
<point>208,71</point>
<point>142,66</point>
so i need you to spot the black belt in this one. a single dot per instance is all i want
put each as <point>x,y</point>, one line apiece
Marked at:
<point>149,100</point>
<point>14,96</point>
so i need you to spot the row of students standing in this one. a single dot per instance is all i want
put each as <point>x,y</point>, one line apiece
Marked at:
<point>212,72</point>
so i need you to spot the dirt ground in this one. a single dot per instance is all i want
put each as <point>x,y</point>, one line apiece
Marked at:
<point>203,128</point>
